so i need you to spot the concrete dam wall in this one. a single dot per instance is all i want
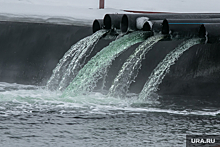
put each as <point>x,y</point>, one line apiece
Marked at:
<point>30,51</point>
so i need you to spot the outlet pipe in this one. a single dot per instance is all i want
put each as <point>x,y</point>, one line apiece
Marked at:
<point>97,25</point>
<point>154,25</point>
<point>185,27</point>
<point>140,21</point>
<point>129,21</point>
<point>211,32</point>
<point>112,21</point>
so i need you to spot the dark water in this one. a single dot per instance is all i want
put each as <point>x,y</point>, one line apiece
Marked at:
<point>31,116</point>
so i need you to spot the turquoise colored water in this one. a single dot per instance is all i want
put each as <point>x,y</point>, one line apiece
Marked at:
<point>71,62</point>
<point>97,67</point>
<point>130,68</point>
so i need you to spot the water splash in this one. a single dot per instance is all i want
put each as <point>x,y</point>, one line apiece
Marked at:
<point>70,64</point>
<point>163,67</point>
<point>17,99</point>
<point>97,67</point>
<point>130,68</point>
<point>75,65</point>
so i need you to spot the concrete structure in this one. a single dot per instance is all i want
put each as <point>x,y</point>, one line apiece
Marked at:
<point>30,51</point>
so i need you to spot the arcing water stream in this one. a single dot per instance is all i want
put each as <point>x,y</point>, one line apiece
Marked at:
<point>69,65</point>
<point>163,67</point>
<point>130,68</point>
<point>97,67</point>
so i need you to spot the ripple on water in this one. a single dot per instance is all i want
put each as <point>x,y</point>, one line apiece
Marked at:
<point>38,117</point>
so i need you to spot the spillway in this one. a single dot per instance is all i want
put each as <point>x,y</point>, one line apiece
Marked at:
<point>102,55</point>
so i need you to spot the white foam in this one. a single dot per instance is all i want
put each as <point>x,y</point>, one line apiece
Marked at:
<point>25,101</point>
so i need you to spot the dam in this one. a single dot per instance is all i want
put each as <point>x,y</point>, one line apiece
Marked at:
<point>127,80</point>
<point>35,49</point>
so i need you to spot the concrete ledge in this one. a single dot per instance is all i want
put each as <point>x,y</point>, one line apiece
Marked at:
<point>30,51</point>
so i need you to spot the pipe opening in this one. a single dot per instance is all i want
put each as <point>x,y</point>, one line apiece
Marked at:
<point>96,26</point>
<point>165,28</point>
<point>107,22</point>
<point>147,26</point>
<point>124,23</point>
<point>202,31</point>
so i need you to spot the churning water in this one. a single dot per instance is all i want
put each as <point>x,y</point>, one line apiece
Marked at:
<point>32,116</point>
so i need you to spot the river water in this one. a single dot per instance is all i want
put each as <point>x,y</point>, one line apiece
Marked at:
<point>32,116</point>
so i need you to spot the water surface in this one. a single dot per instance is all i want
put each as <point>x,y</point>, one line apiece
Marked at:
<point>32,116</point>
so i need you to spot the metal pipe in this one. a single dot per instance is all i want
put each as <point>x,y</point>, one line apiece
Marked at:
<point>211,32</point>
<point>97,25</point>
<point>153,25</point>
<point>140,21</point>
<point>112,21</point>
<point>185,27</point>
<point>128,22</point>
